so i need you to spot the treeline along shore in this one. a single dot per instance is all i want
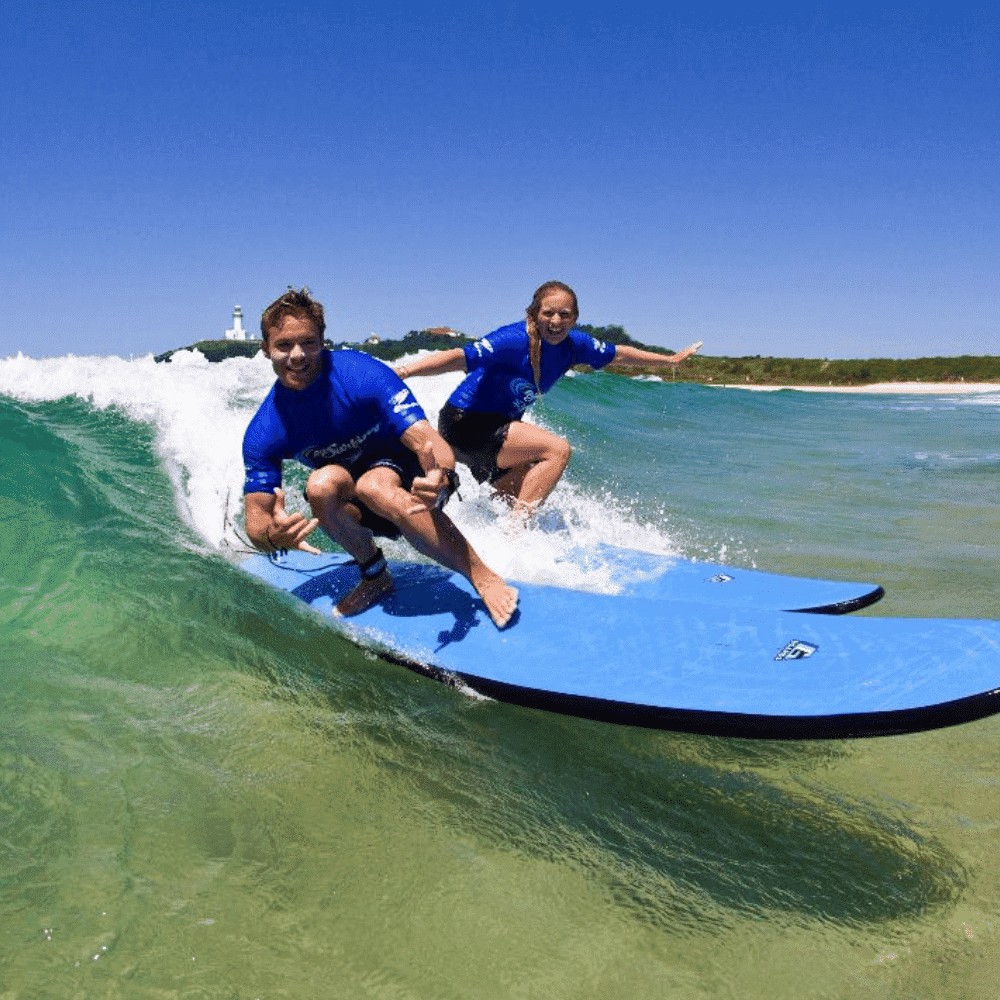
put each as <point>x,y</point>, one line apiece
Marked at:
<point>705,368</point>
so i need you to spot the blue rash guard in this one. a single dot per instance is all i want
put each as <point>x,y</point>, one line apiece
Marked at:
<point>500,379</point>
<point>352,415</point>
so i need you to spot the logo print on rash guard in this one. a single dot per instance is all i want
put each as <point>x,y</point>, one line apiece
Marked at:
<point>257,477</point>
<point>318,457</point>
<point>524,393</point>
<point>403,401</point>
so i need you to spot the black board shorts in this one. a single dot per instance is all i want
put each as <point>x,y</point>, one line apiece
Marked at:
<point>478,437</point>
<point>407,467</point>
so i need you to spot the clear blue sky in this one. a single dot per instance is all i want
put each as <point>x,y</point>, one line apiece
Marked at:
<point>811,182</point>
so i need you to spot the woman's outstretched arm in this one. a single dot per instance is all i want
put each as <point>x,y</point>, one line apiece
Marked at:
<point>433,364</point>
<point>625,355</point>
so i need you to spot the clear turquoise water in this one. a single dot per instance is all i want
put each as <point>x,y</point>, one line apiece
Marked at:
<point>204,792</point>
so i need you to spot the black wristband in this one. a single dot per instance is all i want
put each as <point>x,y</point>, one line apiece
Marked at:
<point>453,484</point>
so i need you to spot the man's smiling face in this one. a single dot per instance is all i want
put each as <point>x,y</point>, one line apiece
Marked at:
<point>295,350</point>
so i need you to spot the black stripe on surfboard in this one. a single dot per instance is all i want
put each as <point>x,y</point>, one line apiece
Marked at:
<point>734,725</point>
<point>844,607</point>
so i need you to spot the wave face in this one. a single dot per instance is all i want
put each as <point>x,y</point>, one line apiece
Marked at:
<point>204,791</point>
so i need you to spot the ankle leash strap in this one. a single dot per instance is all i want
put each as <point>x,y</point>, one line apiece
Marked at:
<point>373,567</point>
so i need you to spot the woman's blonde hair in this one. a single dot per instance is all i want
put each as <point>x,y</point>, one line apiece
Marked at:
<point>531,322</point>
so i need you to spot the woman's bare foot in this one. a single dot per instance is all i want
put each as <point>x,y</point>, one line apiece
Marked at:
<point>364,595</point>
<point>519,518</point>
<point>500,600</point>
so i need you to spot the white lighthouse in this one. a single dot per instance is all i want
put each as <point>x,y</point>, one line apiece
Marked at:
<point>237,332</point>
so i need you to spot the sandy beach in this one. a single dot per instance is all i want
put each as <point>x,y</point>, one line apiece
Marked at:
<point>895,388</point>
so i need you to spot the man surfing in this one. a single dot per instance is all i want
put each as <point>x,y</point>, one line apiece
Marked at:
<point>379,468</point>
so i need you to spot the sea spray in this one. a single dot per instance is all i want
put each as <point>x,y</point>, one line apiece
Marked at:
<point>571,518</point>
<point>199,411</point>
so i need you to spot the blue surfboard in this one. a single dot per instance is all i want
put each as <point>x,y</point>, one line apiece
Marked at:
<point>632,573</point>
<point>670,664</point>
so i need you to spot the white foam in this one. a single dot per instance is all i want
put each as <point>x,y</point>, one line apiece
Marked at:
<point>538,554</point>
<point>200,410</point>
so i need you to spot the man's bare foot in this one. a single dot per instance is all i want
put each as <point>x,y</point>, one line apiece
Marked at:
<point>500,600</point>
<point>364,595</point>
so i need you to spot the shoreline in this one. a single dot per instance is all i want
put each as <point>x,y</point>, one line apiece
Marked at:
<point>888,388</point>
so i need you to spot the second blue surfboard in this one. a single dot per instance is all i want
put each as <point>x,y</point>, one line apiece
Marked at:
<point>687,665</point>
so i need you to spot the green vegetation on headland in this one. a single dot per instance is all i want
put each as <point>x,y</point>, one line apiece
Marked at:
<point>759,370</point>
<point>384,350</point>
<point>755,370</point>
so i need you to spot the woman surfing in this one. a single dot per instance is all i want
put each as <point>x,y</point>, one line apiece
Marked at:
<point>507,371</point>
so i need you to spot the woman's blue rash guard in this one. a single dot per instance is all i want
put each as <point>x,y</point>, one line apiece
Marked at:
<point>357,408</point>
<point>500,379</point>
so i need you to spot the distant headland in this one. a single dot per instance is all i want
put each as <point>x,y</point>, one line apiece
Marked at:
<point>753,370</point>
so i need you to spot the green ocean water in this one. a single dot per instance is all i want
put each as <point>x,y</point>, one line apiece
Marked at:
<point>205,792</point>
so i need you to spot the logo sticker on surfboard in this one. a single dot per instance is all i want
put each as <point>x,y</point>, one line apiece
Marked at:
<point>797,649</point>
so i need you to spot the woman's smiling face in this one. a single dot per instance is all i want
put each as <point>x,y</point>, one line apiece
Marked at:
<point>556,316</point>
